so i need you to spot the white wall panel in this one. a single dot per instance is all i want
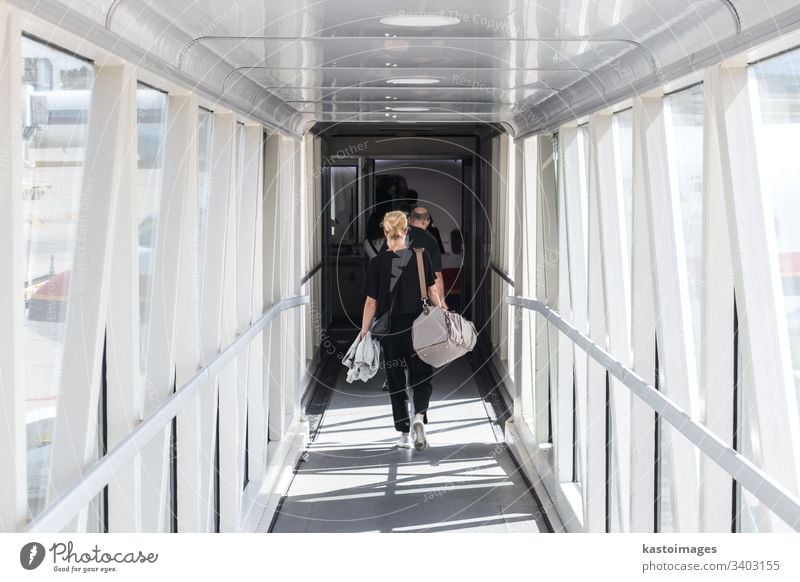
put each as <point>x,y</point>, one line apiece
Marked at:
<point>575,212</point>
<point>178,192</point>
<point>249,230</point>
<point>718,358</point>
<point>214,287</point>
<point>546,283</point>
<point>676,342</point>
<point>594,484</point>
<point>75,431</point>
<point>518,267</point>
<point>195,449</point>
<point>643,344</point>
<point>123,375</point>
<point>272,249</point>
<point>232,380</point>
<point>616,311</point>
<point>563,439</point>
<point>767,360</point>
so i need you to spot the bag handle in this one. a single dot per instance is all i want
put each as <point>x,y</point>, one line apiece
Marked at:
<point>423,291</point>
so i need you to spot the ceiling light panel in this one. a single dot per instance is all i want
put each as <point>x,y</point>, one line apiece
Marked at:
<point>410,109</point>
<point>373,107</point>
<point>413,81</point>
<point>420,20</point>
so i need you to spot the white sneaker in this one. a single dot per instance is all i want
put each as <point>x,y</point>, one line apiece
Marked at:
<point>404,442</point>
<point>420,442</point>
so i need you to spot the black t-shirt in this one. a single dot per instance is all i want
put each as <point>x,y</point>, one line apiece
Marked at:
<point>408,300</point>
<point>420,238</point>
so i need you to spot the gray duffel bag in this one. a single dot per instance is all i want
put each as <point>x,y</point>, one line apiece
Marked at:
<point>439,336</point>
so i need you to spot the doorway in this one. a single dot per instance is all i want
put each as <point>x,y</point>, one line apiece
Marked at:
<point>438,185</point>
<point>355,189</point>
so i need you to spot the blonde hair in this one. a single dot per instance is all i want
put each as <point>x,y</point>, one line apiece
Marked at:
<point>395,224</point>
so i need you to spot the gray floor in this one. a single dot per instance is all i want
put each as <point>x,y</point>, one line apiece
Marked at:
<point>355,480</point>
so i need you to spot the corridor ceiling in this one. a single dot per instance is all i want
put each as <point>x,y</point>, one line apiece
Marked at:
<point>528,64</point>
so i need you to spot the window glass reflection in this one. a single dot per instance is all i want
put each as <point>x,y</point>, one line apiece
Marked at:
<point>205,128</point>
<point>685,116</point>
<point>56,92</point>
<point>778,83</point>
<point>151,108</point>
<point>581,295</point>
<point>777,122</point>
<point>623,142</point>
<point>686,152</point>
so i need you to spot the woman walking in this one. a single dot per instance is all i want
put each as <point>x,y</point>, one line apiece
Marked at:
<point>392,286</point>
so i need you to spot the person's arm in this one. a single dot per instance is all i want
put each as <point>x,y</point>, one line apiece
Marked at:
<point>434,281</point>
<point>440,289</point>
<point>436,264</point>
<point>370,305</point>
<point>435,298</point>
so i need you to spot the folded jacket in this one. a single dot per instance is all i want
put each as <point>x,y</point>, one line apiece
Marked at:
<point>362,359</point>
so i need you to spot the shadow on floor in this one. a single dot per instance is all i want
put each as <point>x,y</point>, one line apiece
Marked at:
<point>378,488</point>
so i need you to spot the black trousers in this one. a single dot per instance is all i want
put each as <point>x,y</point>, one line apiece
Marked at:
<point>399,357</point>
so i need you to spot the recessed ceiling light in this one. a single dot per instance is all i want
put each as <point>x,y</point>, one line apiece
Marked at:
<point>420,20</point>
<point>409,109</point>
<point>413,81</point>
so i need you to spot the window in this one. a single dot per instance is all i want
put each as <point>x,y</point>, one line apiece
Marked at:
<point>777,122</point>
<point>685,115</point>
<point>623,144</point>
<point>205,129</point>
<point>583,145</point>
<point>151,107</point>
<point>241,164</point>
<point>778,84</point>
<point>54,140</point>
<point>579,274</point>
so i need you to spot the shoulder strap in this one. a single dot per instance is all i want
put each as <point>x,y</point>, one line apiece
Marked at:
<point>423,291</point>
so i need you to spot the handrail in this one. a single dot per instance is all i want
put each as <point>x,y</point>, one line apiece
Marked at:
<point>503,275</point>
<point>311,273</point>
<point>777,498</point>
<point>55,517</point>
